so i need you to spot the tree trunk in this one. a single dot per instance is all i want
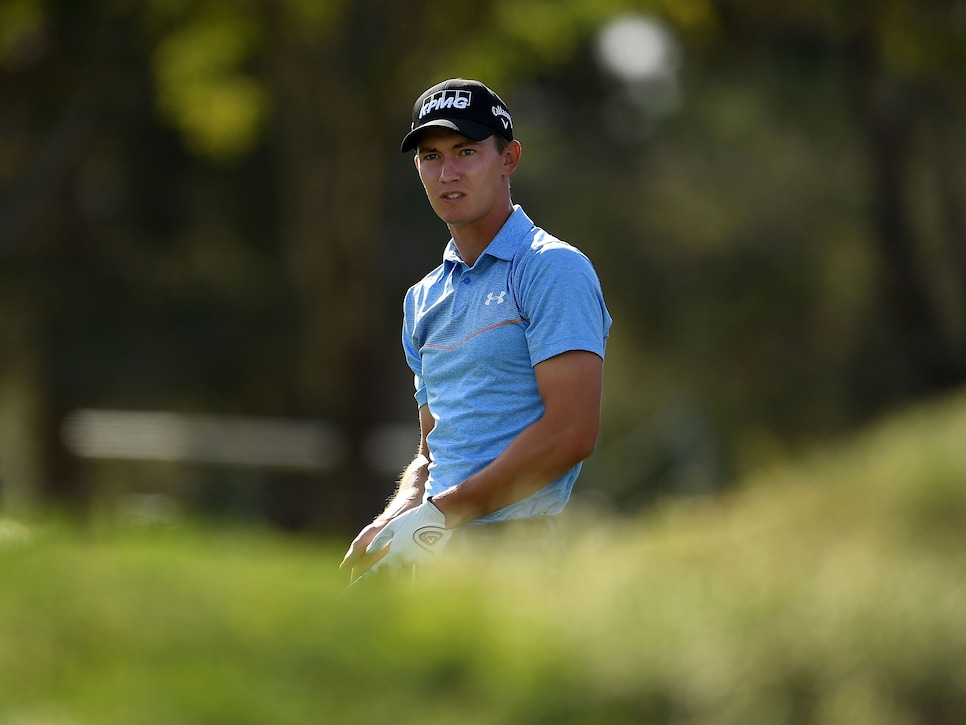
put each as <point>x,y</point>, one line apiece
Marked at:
<point>952,192</point>
<point>886,111</point>
<point>332,165</point>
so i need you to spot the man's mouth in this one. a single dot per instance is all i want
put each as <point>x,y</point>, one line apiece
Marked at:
<point>452,195</point>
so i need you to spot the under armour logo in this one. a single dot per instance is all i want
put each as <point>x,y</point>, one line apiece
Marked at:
<point>495,298</point>
<point>429,537</point>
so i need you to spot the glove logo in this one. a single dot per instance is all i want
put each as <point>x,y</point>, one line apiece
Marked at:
<point>428,537</point>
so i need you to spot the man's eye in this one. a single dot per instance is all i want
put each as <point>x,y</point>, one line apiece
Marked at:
<point>468,152</point>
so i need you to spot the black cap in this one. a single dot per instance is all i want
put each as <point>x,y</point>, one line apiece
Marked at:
<point>467,107</point>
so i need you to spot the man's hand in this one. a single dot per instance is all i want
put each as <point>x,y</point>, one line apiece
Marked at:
<point>356,561</point>
<point>413,537</point>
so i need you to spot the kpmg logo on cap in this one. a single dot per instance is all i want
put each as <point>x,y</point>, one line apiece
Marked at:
<point>446,99</point>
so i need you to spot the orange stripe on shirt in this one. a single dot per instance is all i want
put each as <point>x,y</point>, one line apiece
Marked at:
<point>479,332</point>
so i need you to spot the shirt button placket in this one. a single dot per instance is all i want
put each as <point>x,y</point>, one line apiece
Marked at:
<point>462,292</point>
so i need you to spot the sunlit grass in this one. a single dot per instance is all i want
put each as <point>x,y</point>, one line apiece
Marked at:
<point>830,591</point>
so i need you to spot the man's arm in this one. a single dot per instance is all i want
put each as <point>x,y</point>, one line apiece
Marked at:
<point>570,386</point>
<point>409,493</point>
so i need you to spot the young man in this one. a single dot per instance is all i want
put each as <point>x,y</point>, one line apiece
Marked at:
<point>506,341</point>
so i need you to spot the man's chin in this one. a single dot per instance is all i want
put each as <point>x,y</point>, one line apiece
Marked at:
<point>452,220</point>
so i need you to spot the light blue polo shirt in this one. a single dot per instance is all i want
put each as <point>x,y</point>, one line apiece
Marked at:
<point>472,336</point>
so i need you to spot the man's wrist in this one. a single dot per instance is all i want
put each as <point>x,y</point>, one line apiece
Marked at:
<point>400,508</point>
<point>436,506</point>
<point>448,504</point>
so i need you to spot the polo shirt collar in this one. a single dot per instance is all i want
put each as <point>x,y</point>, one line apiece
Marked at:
<point>506,241</point>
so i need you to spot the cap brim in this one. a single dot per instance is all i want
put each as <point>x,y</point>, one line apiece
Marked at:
<point>470,129</point>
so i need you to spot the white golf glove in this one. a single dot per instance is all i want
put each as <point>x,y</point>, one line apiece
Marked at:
<point>418,535</point>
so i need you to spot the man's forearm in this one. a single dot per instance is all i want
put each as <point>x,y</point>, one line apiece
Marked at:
<point>409,493</point>
<point>539,455</point>
<point>570,386</point>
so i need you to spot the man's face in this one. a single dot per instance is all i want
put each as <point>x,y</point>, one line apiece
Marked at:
<point>465,180</point>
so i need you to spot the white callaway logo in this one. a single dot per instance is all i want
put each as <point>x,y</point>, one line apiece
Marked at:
<point>446,99</point>
<point>503,114</point>
<point>495,298</point>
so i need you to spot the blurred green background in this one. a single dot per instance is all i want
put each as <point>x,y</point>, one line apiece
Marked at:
<point>206,230</point>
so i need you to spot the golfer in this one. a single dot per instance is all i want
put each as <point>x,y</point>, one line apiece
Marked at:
<point>506,343</point>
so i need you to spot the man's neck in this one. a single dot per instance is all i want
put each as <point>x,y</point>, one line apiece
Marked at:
<point>472,239</point>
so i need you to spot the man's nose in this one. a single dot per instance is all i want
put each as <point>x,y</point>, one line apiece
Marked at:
<point>449,170</point>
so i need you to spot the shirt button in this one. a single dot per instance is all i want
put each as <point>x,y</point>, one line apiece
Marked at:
<point>467,280</point>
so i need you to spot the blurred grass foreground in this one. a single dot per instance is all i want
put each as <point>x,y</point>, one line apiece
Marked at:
<point>828,591</point>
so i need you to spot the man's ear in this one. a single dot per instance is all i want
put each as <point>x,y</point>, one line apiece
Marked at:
<point>511,156</point>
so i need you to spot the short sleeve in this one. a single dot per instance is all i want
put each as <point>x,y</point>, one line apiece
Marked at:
<point>562,300</point>
<point>413,358</point>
